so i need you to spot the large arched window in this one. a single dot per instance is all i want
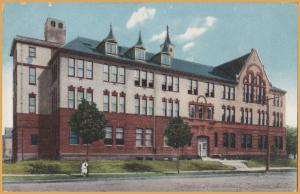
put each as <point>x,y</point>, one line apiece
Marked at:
<point>254,90</point>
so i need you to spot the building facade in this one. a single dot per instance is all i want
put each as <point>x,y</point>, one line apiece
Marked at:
<point>138,92</point>
<point>7,144</point>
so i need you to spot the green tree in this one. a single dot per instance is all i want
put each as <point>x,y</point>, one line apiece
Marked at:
<point>291,141</point>
<point>178,134</point>
<point>88,122</point>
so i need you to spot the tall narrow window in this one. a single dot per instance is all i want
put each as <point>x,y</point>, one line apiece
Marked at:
<point>150,107</point>
<point>150,80</point>
<point>164,108</point>
<point>232,140</point>
<point>192,110</point>
<point>119,136</point>
<point>71,98</point>
<point>137,105</point>
<point>224,92</point>
<point>229,93</point>
<point>170,109</point>
<point>195,87</point>
<point>225,140</point>
<point>137,78</point>
<point>105,73</point>
<point>32,103</point>
<point>232,93</point>
<point>165,59</point>
<point>246,116</point>
<point>175,84</point>
<point>190,88</point>
<point>89,96</point>
<point>169,83</point>
<point>201,112</point>
<point>144,107</point>
<point>74,138</point>
<point>113,103</point>
<point>251,119</point>
<point>223,113</point>
<point>32,52</point>
<point>164,83</point>
<point>233,115</point>
<point>122,104</point>
<point>80,96</point>
<point>148,137</point>
<point>216,139</point>
<point>80,68</point>
<point>71,67</point>
<point>139,137</point>
<point>259,117</point>
<point>89,70</point>
<point>228,114</point>
<point>108,136</point>
<point>210,113</point>
<point>176,109</point>
<point>32,75</point>
<point>34,139</point>
<point>144,78</point>
<point>111,48</point>
<point>121,75</point>
<point>106,103</point>
<point>242,116</point>
<point>113,74</point>
<point>140,54</point>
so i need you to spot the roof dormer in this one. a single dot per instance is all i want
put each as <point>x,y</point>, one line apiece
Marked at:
<point>109,44</point>
<point>168,46</point>
<point>138,51</point>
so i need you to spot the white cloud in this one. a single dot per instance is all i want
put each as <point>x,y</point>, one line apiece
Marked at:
<point>7,96</point>
<point>196,31</point>
<point>188,46</point>
<point>159,37</point>
<point>139,16</point>
<point>49,4</point>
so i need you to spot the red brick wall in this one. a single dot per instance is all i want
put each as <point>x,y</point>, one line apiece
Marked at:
<point>54,136</point>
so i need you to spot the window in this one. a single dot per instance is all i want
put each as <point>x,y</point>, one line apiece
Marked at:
<point>121,75</point>
<point>225,140</point>
<point>170,109</point>
<point>224,92</point>
<point>139,54</point>
<point>60,25</point>
<point>223,113</point>
<point>53,23</point>
<point>119,136</point>
<point>233,115</point>
<point>148,137</point>
<point>105,73</point>
<point>192,87</point>
<point>80,96</point>
<point>262,141</point>
<point>259,118</point>
<point>232,93</point>
<point>246,141</point>
<point>232,140</point>
<point>150,107</point>
<point>175,84</point>
<point>89,70</point>
<point>137,78</point>
<point>192,110</point>
<point>113,74</point>
<point>114,104</point>
<point>278,142</point>
<point>32,103</point>
<point>89,97</point>
<point>169,83</point>
<point>34,139</point>
<point>144,107</point>
<point>164,84</point>
<point>210,113</point>
<point>144,78</point>
<point>164,108</point>
<point>251,114</point>
<point>80,68</point>
<point>32,52</point>
<point>71,98</point>
<point>246,116</point>
<point>139,137</point>
<point>210,89</point>
<point>106,103</point>
<point>176,109</point>
<point>32,75</point>
<point>228,114</point>
<point>165,59</point>
<point>71,67</point>
<point>137,105</point>
<point>122,104</point>
<point>150,80</point>
<point>108,136</point>
<point>242,116</point>
<point>111,48</point>
<point>216,139</point>
<point>74,138</point>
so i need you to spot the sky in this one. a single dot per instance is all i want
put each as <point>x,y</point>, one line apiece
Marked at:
<point>207,33</point>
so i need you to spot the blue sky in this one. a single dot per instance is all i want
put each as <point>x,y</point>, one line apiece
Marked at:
<point>208,33</point>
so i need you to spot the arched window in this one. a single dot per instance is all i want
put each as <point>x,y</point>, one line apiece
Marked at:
<point>254,88</point>
<point>53,23</point>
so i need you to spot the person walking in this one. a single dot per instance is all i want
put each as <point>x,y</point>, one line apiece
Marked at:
<point>84,168</point>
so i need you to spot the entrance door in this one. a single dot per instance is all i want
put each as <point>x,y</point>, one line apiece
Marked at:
<point>202,146</point>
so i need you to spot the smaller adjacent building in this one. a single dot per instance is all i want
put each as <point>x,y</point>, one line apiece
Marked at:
<point>7,144</point>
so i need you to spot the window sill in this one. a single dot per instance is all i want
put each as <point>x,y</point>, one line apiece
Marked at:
<point>75,144</point>
<point>119,145</point>
<point>108,145</point>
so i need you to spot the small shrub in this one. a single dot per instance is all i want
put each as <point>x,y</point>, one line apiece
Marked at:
<point>137,167</point>
<point>40,167</point>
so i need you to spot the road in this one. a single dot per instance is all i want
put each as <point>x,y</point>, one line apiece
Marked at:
<point>275,181</point>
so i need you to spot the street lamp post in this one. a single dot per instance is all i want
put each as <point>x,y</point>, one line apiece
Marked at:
<point>268,157</point>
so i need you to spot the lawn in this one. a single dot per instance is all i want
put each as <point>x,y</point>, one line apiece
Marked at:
<point>109,166</point>
<point>274,163</point>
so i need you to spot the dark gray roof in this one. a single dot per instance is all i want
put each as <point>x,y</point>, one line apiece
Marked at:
<point>275,89</point>
<point>233,67</point>
<point>88,46</point>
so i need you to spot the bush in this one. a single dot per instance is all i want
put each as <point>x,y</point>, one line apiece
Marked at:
<point>137,167</point>
<point>40,167</point>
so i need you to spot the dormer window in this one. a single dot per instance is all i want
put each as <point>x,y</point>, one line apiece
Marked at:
<point>140,54</point>
<point>111,48</point>
<point>165,59</point>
